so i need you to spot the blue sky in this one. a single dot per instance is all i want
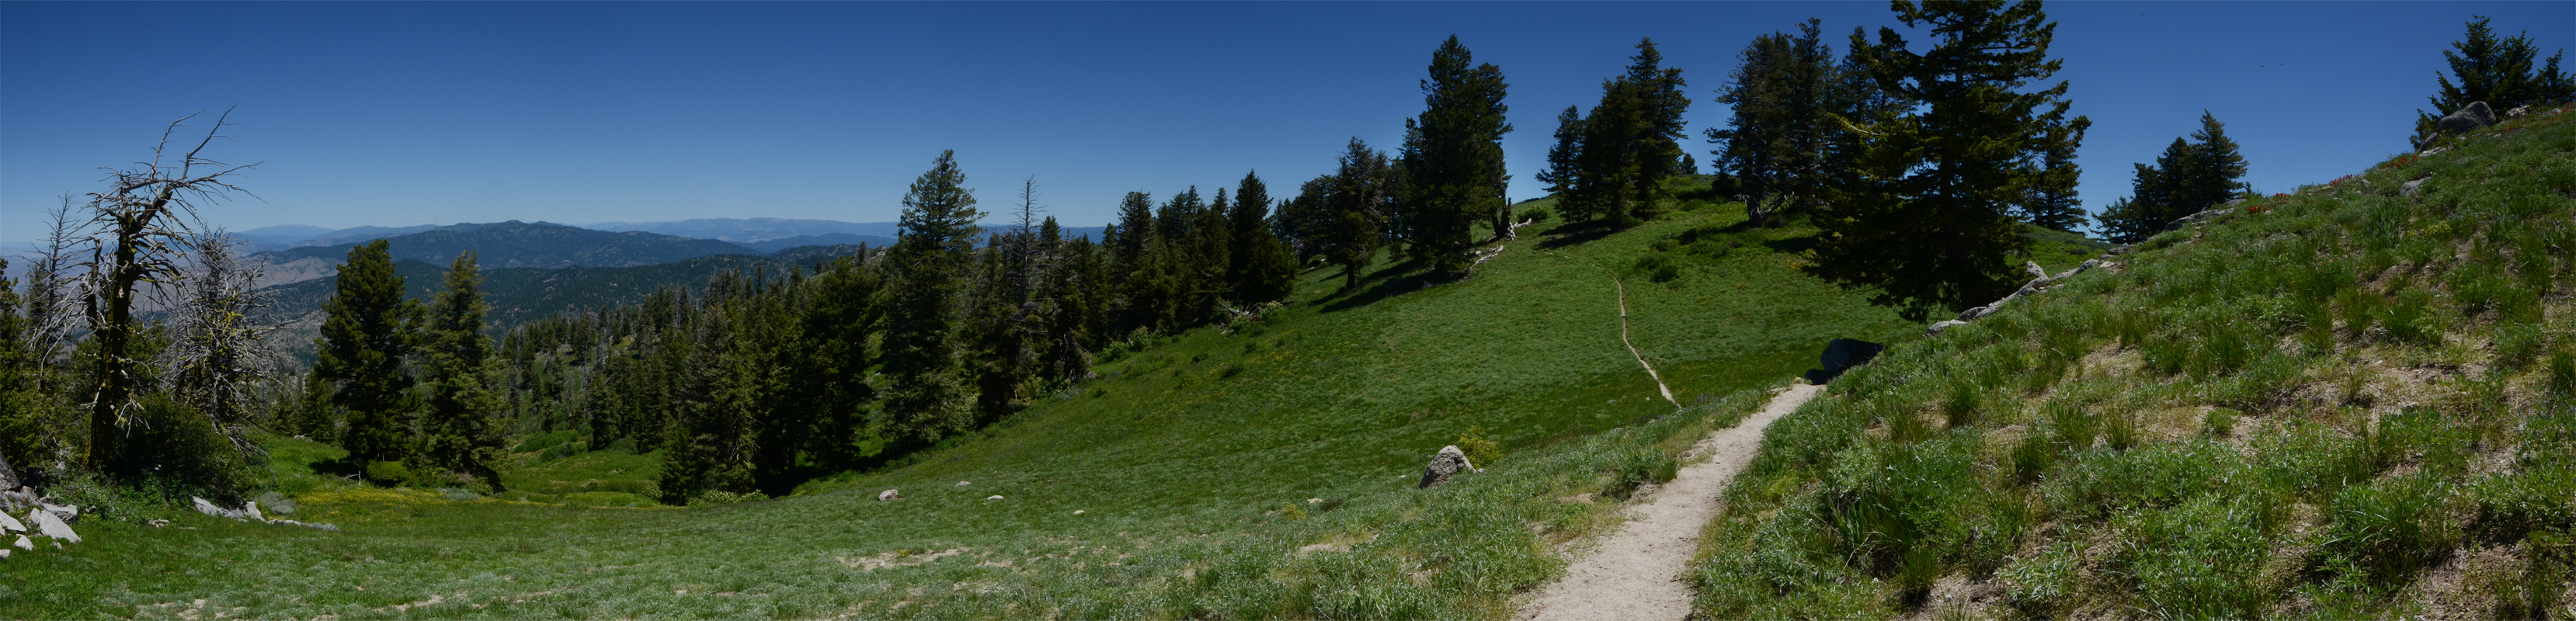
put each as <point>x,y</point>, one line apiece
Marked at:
<point>393,114</point>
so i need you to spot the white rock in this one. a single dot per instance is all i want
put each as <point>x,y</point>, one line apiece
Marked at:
<point>24,544</point>
<point>252,509</point>
<point>993,497</point>
<point>4,553</point>
<point>52,526</point>
<point>66,512</point>
<point>887,495</point>
<point>11,525</point>
<point>1945,325</point>
<point>962,483</point>
<point>1314,501</point>
<point>1077,512</point>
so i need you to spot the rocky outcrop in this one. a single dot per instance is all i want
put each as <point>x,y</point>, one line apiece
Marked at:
<point>1447,463</point>
<point>888,495</point>
<point>249,512</point>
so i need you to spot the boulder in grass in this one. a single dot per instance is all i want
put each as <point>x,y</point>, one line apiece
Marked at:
<point>1935,329</point>
<point>888,495</point>
<point>993,497</point>
<point>1447,463</point>
<point>1841,355</point>
<point>2476,115</point>
<point>24,544</point>
<point>11,525</point>
<point>51,526</point>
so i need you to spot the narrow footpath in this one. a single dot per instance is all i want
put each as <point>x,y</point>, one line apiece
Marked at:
<point>1636,572</point>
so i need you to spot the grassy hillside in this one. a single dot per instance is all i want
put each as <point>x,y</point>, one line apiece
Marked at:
<point>2354,401</point>
<point>1259,469</point>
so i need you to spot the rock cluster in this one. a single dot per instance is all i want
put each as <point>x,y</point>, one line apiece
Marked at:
<point>1448,463</point>
<point>2041,281</point>
<point>42,518</point>
<point>249,512</point>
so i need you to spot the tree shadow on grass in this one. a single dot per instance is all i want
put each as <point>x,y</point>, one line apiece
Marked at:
<point>1576,233</point>
<point>1395,280</point>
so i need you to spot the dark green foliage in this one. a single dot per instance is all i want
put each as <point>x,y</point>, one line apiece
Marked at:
<point>1351,206</point>
<point>1775,142</point>
<point>461,431</point>
<point>1453,158</point>
<point>2188,178</point>
<point>1625,148</point>
<point>178,449</point>
<point>363,344</point>
<point>1930,227</point>
<point>2494,70</point>
<point>928,396</point>
<point>1264,268</point>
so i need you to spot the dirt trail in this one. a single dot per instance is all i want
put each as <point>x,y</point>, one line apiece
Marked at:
<point>1623,332</point>
<point>1635,573</point>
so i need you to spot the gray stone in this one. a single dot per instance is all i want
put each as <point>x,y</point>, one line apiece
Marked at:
<point>24,544</point>
<point>888,495</point>
<point>1935,329</point>
<point>51,526</point>
<point>993,497</point>
<point>8,475</point>
<point>69,513</point>
<point>2193,219</point>
<point>2035,270</point>
<point>2411,188</point>
<point>1447,463</point>
<point>2468,119</point>
<point>11,525</point>
<point>2518,112</point>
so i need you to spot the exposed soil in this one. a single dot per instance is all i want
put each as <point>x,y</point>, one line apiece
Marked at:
<point>1636,572</point>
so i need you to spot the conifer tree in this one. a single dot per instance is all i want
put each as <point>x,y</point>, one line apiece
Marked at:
<point>928,397</point>
<point>2188,178</point>
<point>1930,226</point>
<point>1362,190</point>
<point>1630,144</point>
<point>2052,203</point>
<point>1453,158</point>
<point>462,432</point>
<point>1774,144</point>
<point>1263,268</point>
<point>364,339</point>
<point>2494,70</point>
<point>1565,158</point>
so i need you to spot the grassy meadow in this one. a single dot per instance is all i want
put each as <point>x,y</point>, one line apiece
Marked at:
<point>2353,401</point>
<point>1263,469</point>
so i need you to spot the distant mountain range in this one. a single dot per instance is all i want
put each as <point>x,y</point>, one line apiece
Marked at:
<point>741,230</point>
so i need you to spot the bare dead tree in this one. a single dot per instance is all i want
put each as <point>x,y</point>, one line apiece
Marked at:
<point>219,354</point>
<point>49,299</point>
<point>136,233</point>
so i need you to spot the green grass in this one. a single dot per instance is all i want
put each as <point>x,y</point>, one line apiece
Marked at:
<point>2309,408</point>
<point>1183,460</point>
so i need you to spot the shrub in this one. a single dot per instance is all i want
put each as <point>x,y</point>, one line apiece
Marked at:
<point>1637,467</point>
<point>388,473</point>
<point>2516,345</point>
<point>1536,215</point>
<point>1962,408</point>
<point>1659,267</point>
<point>2219,422</point>
<point>2410,318</point>
<point>2311,460</point>
<point>2390,528</point>
<point>2199,560</point>
<point>172,448</point>
<point>1480,451</point>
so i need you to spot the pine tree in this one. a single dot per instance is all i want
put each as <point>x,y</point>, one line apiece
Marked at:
<point>2052,202</point>
<point>462,432</point>
<point>1630,144</point>
<point>2494,70</point>
<point>2188,178</point>
<point>1775,142</point>
<point>928,397</point>
<point>1564,160</point>
<point>1453,156</point>
<point>1930,225</point>
<point>1360,192</point>
<point>364,340</point>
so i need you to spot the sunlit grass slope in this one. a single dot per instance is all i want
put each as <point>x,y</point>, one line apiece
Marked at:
<point>2355,401</point>
<point>1263,469</point>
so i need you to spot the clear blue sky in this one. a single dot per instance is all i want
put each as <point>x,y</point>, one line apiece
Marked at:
<point>385,113</point>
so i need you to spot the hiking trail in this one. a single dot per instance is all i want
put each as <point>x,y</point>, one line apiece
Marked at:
<point>1636,571</point>
<point>1623,330</point>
